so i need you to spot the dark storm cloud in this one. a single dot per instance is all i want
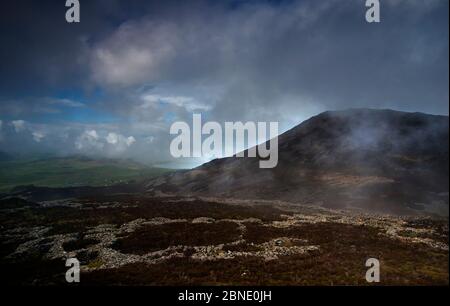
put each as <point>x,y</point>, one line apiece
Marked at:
<point>40,51</point>
<point>263,61</point>
<point>282,61</point>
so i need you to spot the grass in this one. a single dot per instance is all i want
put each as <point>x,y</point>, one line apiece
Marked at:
<point>78,244</point>
<point>340,259</point>
<point>71,220</point>
<point>73,171</point>
<point>157,237</point>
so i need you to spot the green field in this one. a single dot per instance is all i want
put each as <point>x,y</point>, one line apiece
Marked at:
<point>73,171</point>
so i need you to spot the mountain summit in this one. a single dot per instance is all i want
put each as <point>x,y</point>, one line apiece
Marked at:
<point>376,160</point>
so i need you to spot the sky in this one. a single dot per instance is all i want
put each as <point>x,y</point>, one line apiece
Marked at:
<point>112,85</point>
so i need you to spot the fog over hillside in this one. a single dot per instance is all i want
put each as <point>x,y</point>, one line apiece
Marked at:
<point>380,160</point>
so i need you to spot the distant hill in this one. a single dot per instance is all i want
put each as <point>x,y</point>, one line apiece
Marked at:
<point>377,160</point>
<point>72,172</point>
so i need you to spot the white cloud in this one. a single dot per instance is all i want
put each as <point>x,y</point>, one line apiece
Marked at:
<point>119,141</point>
<point>38,136</point>
<point>113,144</point>
<point>189,103</point>
<point>65,102</point>
<point>19,125</point>
<point>68,138</point>
<point>37,105</point>
<point>121,61</point>
<point>89,140</point>
<point>92,134</point>
<point>112,138</point>
<point>130,140</point>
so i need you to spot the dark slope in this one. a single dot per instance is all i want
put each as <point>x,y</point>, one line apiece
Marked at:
<point>378,160</point>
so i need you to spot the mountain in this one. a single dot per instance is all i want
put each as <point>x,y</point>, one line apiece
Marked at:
<point>376,160</point>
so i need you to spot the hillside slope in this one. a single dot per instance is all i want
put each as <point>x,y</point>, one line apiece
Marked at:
<point>376,160</point>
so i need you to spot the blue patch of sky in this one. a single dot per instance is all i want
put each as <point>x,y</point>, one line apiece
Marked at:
<point>88,113</point>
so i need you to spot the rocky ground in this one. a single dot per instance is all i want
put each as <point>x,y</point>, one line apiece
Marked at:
<point>129,239</point>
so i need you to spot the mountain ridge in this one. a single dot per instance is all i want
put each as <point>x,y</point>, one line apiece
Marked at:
<point>381,160</point>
